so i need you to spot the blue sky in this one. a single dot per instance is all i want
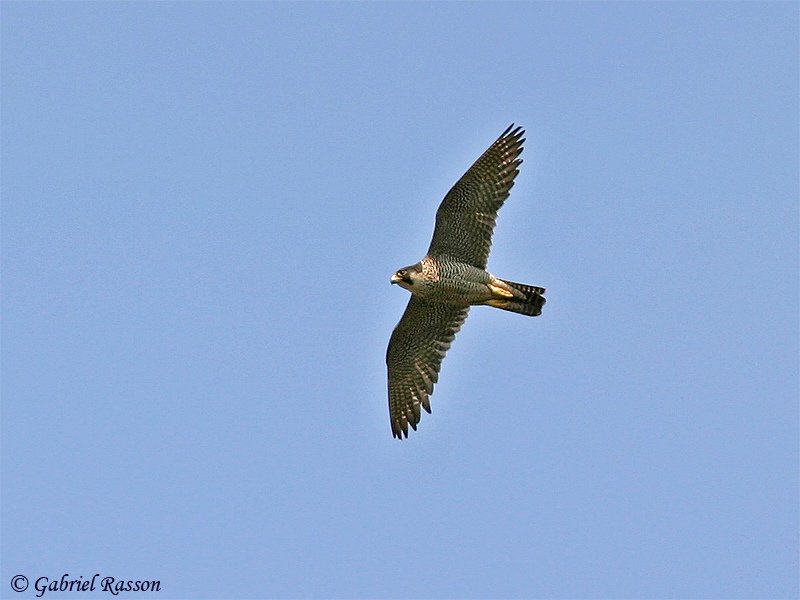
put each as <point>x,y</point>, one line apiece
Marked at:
<point>202,204</point>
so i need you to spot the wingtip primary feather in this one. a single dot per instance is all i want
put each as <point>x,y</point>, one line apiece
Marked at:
<point>513,130</point>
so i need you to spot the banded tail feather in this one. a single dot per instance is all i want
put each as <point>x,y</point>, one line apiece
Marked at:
<point>528,299</point>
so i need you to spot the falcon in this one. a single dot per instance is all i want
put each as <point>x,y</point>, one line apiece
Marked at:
<point>451,278</point>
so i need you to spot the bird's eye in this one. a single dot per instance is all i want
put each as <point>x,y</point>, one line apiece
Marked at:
<point>401,273</point>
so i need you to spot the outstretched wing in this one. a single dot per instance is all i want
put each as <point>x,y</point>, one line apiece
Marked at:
<point>466,218</point>
<point>415,353</point>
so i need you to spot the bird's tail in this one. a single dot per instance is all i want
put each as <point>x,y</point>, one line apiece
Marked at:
<point>519,298</point>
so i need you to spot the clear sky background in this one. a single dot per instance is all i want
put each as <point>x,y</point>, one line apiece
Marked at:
<point>202,204</point>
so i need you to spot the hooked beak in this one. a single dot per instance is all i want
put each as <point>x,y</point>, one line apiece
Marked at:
<point>396,279</point>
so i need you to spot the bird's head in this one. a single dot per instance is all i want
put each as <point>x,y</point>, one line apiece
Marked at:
<point>408,277</point>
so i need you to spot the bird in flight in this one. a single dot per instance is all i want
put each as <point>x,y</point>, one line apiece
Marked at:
<point>451,278</point>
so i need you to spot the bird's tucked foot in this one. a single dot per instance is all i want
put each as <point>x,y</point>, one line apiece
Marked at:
<point>517,297</point>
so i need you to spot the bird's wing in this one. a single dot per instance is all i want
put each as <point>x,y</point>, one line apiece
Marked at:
<point>415,353</point>
<point>466,217</point>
